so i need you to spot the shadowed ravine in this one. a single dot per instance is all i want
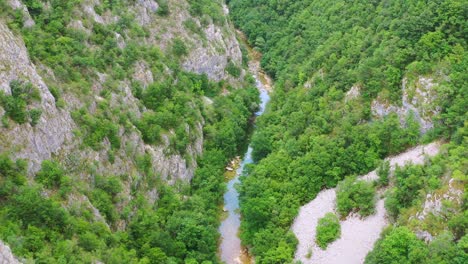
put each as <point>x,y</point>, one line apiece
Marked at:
<point>230,247</point>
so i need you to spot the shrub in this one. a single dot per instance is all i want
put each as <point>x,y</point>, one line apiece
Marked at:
<point>191,25</point>
<point>35,114</point>
<point>29,208</point>
<point>15,109</point>
<point>355,195</point>
<point>90,242</point>
<point>51,174</point>
<point>233,70</point>
<point>15,105</point>
<point>383,172</point>
<point>163,9</point>
<point>409,180</point>
<point>179,48</point>
<point>97,127</point>
<point>399,246</point>
<point>328,230</point>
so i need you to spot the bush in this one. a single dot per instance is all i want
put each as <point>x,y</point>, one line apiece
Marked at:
<point>409,180</point>
<point>384,173</point>
<point>233,70</point>
<point>163,9</point>
<point>35,114</point>
<point>16,104</point>
<point>328,230</point>
<point>51,174</point>
<point>355,195</point>
<point>399,246</point>
<point>179,48</point>
<point>29,208</point>
<point>90,242</point>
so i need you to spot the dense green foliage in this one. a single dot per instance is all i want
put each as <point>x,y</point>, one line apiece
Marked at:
<point>180,227</point>
<point>312,136</point>
<point>328,230</point>
<point>355,195</point>
<point>383,171</point>
<point>400,245</point>
<point>207,9</point>
<point>17,105</point>
<point>135,218</point>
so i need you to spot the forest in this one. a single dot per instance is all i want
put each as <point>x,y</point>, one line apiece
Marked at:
<point>331,61</point>
<point>39,219</point>
<point>311,136</point>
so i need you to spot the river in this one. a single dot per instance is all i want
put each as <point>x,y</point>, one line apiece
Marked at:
<point>230,248</point>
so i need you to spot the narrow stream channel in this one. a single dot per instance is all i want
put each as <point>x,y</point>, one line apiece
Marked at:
<point>230,249</point>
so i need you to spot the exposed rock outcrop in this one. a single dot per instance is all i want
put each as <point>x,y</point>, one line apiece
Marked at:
<point>418,97</point>
<point>6,257</point>
<point>17,5</point>
<point>55,125</point>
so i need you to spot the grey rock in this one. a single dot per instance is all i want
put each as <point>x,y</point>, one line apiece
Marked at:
<point>424,235</point>
<point>353,93</point>
<point>418,98</point>
<point>210,60</point>
<point>143,74</point>
<point>27,19</point>
<point>54,127</point>
<point>6,256</point>
<point>145,10</point>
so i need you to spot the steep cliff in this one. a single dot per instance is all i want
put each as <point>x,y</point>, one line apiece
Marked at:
<point>111,104</point>
<point>209,51</point>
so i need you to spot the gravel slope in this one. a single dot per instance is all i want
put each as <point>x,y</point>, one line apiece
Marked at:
<point>357,235</point>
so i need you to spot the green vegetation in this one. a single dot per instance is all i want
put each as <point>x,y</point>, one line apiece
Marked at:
<point>180,227</point>
<point>233,70</point>
<point>383,171</point>
<point>73,212</point>
<point>207,9</point>
<point>312,136</point>
<point>17,104</point>
<point>328,230</point>
<point>51,174</point>
<point>412,184</point>
<point>96,128</point>
<point>400,245</point>
<point>163,9</point>
<point>179,48</point>
<point>355,195</point>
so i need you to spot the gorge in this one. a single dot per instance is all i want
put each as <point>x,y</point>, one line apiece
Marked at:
<point>150,131</point>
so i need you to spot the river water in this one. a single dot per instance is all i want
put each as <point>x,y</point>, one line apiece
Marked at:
<point>230,248</point>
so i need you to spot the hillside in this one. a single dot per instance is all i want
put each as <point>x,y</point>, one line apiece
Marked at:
<point>124,122</point>
<point>118,118</point>
<point>356,82</point>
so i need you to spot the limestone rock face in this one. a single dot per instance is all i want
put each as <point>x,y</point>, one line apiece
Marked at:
<point>53,135</point>
<point>57,136</point>
<point>54,127</point>
<point>210,51</point>
<point>6,257</point>
<point>145,9</point>
<point>210,61</point>
<point>16,4</point>
<point>418,97</point>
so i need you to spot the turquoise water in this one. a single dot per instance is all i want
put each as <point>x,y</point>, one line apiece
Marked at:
<point>230,248</point>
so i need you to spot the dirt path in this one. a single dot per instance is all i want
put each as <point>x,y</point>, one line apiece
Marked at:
<point>357,235</point>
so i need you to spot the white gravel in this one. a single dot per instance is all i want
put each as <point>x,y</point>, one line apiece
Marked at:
<point>357,235</point>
